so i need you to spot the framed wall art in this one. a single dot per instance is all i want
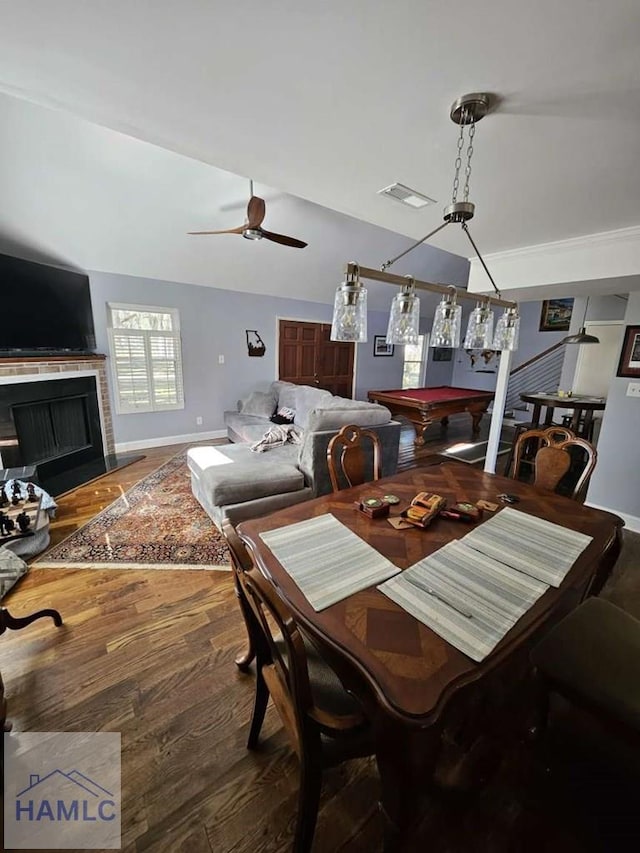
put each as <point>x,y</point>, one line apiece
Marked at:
<point>630,356</point>
<point>442,354</point>
<point>381,347</point>
<point>556,315</point>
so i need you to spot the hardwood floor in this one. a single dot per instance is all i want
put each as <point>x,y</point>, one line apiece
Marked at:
<point>150,654</point>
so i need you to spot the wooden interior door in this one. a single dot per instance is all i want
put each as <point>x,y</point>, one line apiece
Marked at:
<point>307,356</point>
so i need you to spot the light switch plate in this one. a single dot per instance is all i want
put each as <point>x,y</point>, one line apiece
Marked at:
<point>220,359</point>
<point>633,389</point>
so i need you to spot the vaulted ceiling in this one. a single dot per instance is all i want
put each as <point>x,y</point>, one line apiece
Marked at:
<point>332,101</point>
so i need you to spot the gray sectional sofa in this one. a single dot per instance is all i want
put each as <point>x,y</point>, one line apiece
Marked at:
<point>235,483</point>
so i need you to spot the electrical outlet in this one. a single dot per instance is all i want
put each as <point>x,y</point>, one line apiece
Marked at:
<point>220,359</point>
<point>198,421</point>
<point>633,389</point>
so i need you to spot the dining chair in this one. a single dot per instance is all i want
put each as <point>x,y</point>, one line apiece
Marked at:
<point>553,459</point>
<point>325,724</point>
<point>350,466</point>
<point>241,562</point>
<point>592,658</point>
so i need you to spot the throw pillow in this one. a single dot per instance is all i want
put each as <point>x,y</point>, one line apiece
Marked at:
<point>259,403</point>
<point>12,568</point>
<point>284,415</point>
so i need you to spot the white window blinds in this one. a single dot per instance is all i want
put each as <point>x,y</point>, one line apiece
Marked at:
<point>146,358</point>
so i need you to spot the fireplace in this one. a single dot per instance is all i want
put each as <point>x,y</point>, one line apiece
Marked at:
<point>53,424</point>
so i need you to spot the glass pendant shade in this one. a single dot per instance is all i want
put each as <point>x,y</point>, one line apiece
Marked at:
<point>507,330</point>
<point>404,319</point>
<point>446,323</point>
<point>480,328</point>
<point>350,313</point>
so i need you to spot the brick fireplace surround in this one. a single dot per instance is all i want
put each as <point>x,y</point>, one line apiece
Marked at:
<point>66,366</point>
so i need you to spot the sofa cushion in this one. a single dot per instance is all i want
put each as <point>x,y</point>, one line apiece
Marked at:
<point>243,481</point>
<point>307,399</point>
<point>260,403</point>
<point>335,417</point>
<point>231,473</point>
<point>242,427</point>
<point>286,394</point>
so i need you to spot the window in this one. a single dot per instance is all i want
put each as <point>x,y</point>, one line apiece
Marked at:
<point>414,363</point>
<point>146,358</point>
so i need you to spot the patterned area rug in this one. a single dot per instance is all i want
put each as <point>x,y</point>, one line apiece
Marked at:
<point>157,524</point>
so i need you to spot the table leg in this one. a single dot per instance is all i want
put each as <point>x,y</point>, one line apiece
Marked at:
<point>16,622</point>
<point>586,424</point>
<point>548,418</point>
<point>535,417</point>
<point>476,417</point>
<point>406,760</point>
<point>420,428</point>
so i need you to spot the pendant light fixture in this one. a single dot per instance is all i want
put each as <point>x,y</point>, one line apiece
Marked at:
<point>404,319</point>
<point>447,320</point>
<point>350,310</point>
<point>480,328</point>
<point>507,330</point>
<point>349,313</point>
<point>582,337</point>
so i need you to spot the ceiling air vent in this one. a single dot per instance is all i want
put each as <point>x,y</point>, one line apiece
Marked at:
<point>407,196</point>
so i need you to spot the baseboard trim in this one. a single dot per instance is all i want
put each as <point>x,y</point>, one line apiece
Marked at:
<point>125,446</point>
<point>631,522</point>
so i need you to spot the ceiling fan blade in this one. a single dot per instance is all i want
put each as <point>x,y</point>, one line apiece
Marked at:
<point>238,230</point>
<point>255,212</point>
<point>282,238</point>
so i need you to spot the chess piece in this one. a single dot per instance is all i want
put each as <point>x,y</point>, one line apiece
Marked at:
<point>31,493</point>
<point>24,521</point>
<point>6,524</point>
<point>16,491</point>
<point>4,500</point>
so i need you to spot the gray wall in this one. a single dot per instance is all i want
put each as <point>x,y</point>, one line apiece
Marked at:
<point>532,342</point>
<point>213,323</point>
<point>615,482</point>
<point>598,308</point>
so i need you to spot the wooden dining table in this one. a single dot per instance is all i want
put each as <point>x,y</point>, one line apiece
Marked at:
<point>413,685</point>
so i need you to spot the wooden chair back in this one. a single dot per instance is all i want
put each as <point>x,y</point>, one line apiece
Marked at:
<point>553,460</point>
<point>283,665</point>
<point>290,672</point>
<point>346,456</point>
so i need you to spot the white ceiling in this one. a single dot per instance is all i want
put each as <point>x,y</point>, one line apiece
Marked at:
<point>77,194</point>
<point>332,101</point>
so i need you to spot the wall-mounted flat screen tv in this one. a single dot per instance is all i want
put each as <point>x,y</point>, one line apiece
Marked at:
<point>44,308</point>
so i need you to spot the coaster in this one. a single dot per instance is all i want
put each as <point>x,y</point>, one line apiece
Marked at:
<point>399,523</point>
<point>487,505</point>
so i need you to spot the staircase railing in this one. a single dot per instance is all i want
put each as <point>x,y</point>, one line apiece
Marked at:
<point>540,373</point>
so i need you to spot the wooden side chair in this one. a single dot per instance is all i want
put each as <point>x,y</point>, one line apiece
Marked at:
<point>553,459</point>
<point>592,658</point>
<point>241,562</point>
<point>324,723</point>
<point>346,457</point>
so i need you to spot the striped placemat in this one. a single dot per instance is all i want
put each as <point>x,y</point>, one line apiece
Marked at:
<point>539,548</point>
<point>327,560</point>
<point>473,600</point>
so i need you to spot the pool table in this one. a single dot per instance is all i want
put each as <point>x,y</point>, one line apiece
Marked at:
<point>422,406</point>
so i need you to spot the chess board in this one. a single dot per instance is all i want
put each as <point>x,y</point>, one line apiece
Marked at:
<point>12,511</point>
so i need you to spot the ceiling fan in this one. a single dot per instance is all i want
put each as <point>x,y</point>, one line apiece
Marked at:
<point>251,229</point>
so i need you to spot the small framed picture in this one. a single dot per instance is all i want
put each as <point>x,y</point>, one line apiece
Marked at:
<point>556,315</point>
<point>630,356</point>
<point>442,354</point>
<point>381,347</point>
